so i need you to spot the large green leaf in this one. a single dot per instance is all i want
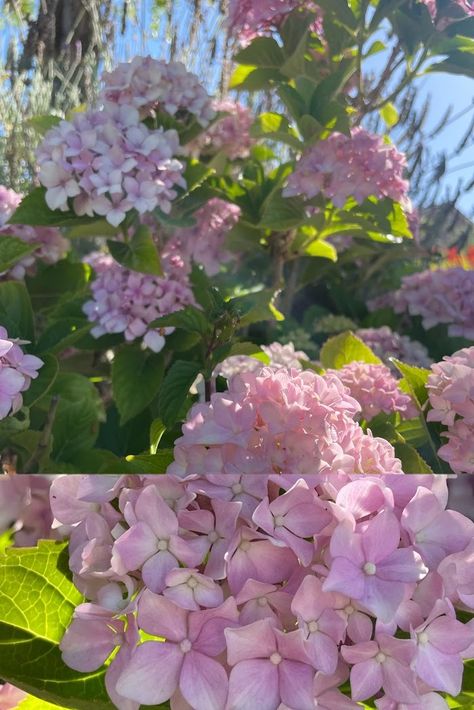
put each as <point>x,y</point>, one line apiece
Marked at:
<point>136,378</point>
<point>16,314</point>
<point>37,600</point>
<point>346,348</point>
<point>256,307</point>
<point>413,381</point>
<point>175,389</point>
<point>190,319</point>
<point>263,52</point>
<point>139,254</point>
<point>411,460</point>
<point>12,250</point>
<point>34,210</point>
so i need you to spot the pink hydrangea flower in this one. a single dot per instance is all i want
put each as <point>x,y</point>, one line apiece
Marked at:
<point>358,166</point>
<point>376,390</point>
<point>451,388</point>
<point>9,201</point>
<point>248,19</point>
<point>438,296</point>
<point>204,243</point>
<point>108,163</point>
<point>279,420</point>
<point>280,356</point>
<point>151,85</point>
<point>10,697</point>
<point>387,343</point>
<point>229,135</point>
<point>125,301</point>
<point>17,369</point>
<point>459,450</point>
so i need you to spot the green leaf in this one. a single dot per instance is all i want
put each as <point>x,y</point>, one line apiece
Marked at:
<point>43,383</point>
<point>322,249</point>
<point>280,213</point>
<point>150,463</point>
<point>57,283</point>
<point>42,124</point>
<point>389,114</point>
<point>33,210</point>
<point>175,389</point>
<point>413,381</point>
<point>256,307</point>
<point>413,431</point>
<point>157,429</point>
<point>136,378</point>
<point>456,63</point>
<point>190,319</point>
<point>341,10</point>
<point>12,250</point>
<point>37,600</point>
<point>346,348</point>
<point>80,409</point>
<point>16,314</point>
<point>274,126</point>
<point>254,78</point>
<point>139,254</point>
<point>263,52</point>
<point>62,334</point>
<point>411,460</point>
<point>97,228</point>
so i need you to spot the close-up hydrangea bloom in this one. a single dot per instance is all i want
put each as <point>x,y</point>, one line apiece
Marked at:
<point>125,301</point>
<point>204,243</point>
<point>248,19</point>
<point>49,244</point>
<point>280,356</point>
<point>267,589</point>
<point>387,343</point>
<point>358,166</point>
<point>229,135</point>
<point>376,390</point>
<point>451,396</point>
<point>109,163</point>
<point>151,85</point>
<point>25,507</point>
<point>438,296</point>
<point>280,420</point>
<point>17,369</point>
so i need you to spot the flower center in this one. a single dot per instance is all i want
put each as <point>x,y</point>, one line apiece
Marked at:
<point>262,601</point>
<point>237,488</point>
<point>279,521</point>
<point>369,568</point>
<point>163,545</point>
<point>213,536</point>
<point>185,646</point>
<point>244,545</point>
<point>380,657</point>
<point>423,638</point>
<point>192,582</point>
<point>349,609</point>
<point>276,659</point>
<point>313,627</point>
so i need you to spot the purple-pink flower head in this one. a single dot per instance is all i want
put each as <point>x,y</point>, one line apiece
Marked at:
<point>376,390</point>
<point>249,19</point>
<point>438,296</point>
<point>387,343</point>
<point>125,301</point>
<point>9,201</point>
<point>280,421</point>
<point>17,369</point>
<point>358,166</point>
<point>153,85</point>
<point>229,135</point>
<point>204,243</point>
<point>107,163</point>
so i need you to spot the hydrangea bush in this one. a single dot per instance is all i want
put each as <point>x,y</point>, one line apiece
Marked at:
<point>224,303</point>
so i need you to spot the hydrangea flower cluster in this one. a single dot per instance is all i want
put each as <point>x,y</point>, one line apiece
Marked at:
<point>125,301</point>
<point>50,245</point>
<point>109,162</point>
<point>25,509</point>
<point>376,390</point>
<point>280,420</point>
<point>467,7</point>
<point>204,243</point>
<point>279,356</point>
<point>451,395</point>
<point>229,135</point>
<point>387,343</point>
<point>358,166</point>
<point>17,369</point>
<point>249,19</point>
<point>268,591</point>
<point>438,296</point>
<point>151,85</point>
